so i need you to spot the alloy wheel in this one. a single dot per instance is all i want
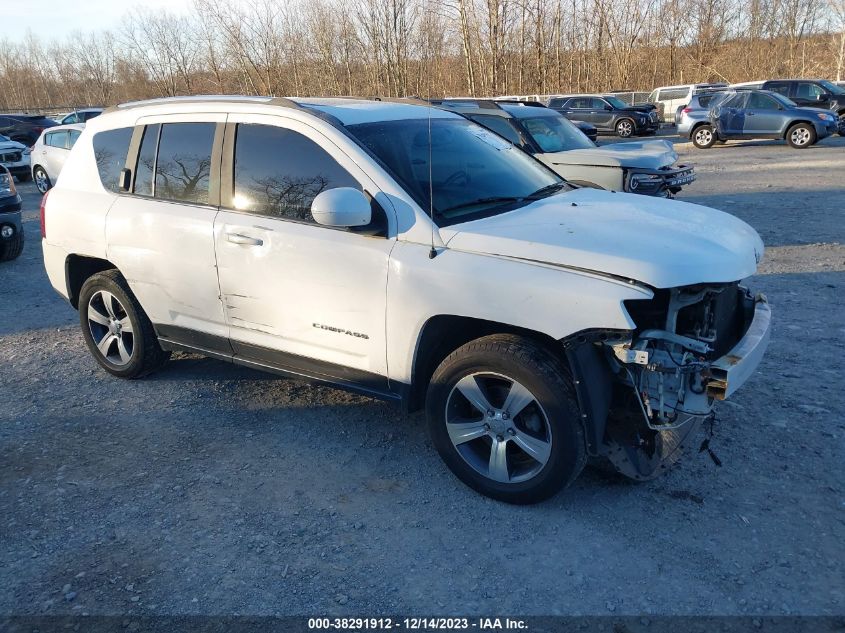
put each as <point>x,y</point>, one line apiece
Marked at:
<point>41,181</point>
<point>498,427</point>
<point>703,136</point>
<point>111,328</point>
<point>624,129</point>
<point>800,136</point>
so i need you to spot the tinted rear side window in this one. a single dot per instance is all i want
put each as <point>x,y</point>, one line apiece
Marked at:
<point>146,161</point>
<point>110,149</point>
<point>500,126</point>
<point>279,172</point>
<point>183,165</point>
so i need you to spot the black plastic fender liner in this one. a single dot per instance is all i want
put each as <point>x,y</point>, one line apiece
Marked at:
<point>594,389</point>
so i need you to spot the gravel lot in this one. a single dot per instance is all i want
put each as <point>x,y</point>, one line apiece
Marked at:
<point>212,489</point>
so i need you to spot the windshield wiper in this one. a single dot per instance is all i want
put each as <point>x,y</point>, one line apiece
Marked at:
<point>473,203</point>
<point>548,190</point>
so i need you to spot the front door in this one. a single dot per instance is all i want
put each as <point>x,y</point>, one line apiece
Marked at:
<point>763,115</point>
<point>297,295</point>
<point>601,113</point>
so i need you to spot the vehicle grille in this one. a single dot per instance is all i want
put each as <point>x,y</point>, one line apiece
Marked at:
<point>10,157</point>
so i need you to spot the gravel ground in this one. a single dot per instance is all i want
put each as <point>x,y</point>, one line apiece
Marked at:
<point>212,489</point>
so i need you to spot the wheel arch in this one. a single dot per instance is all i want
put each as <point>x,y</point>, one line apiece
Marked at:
<point>795,122</point>
<point>591,374</point>
<point>78,269</point>
<point>698,125</point>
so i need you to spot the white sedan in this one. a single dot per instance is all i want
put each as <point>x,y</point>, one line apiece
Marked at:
<point>50,152</point>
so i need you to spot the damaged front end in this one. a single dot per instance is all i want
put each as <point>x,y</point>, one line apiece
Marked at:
<point>691,346</point>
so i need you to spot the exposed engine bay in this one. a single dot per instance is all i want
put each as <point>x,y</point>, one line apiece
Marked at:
<point>668,373</point>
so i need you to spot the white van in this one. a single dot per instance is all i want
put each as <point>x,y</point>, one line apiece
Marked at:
<point>669,98</point>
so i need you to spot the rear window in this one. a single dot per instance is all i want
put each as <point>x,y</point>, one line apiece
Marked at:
<point>183,164</point>
<point>110,149</point>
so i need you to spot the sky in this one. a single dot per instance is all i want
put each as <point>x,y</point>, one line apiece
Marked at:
<point>53,20</point>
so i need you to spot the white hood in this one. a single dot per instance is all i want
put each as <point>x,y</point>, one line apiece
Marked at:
<point>662,243</point>
<point>643,154</point>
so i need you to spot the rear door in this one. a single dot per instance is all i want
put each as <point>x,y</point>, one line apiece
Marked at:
<point>54,153</point>
<point>161,233</point>
<point>600,115</point>
<point>763,115</point>
<point>297,295</point>
<point>730,115</point>
<point>578,109</point>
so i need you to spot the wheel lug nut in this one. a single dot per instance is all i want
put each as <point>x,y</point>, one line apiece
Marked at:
<point>490,414</point>
<point>486,427</point>
<point>511,432</point>
<point>500,438</point>
<point>505,416</point>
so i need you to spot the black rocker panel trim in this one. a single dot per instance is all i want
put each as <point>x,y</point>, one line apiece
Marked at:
<point>283,363</point>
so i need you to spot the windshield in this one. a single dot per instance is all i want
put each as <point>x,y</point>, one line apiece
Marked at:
<point>832,88</point>
<point>556,134</point>
<point>475,173</point>
<point>617,103</point>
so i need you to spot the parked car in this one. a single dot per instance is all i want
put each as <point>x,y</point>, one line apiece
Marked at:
<point>50,152</point>
<point>608,113</point>
<point>696,112</point>
<point>647,167</point>
<point>669,98</point>
<point>813,93</point>
<point>14,156</point>
<point>587,129</point>
<point>80,116</point>
<point>24,128</point>
<point>404,252</point>
<point>11,228</point>
<point>752,114</point>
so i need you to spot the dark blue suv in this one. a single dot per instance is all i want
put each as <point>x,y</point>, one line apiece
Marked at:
<point>752,114</point>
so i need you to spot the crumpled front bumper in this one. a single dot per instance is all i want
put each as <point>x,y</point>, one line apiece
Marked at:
<point>659,182</point>
<point>731,371</point>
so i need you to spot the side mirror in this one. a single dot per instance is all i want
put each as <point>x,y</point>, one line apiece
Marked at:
<point>342,207</point>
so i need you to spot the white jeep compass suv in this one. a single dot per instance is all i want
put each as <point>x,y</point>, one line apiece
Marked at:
<point>406,253</point>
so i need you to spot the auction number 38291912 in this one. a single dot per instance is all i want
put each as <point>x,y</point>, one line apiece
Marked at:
<point>440,624</point>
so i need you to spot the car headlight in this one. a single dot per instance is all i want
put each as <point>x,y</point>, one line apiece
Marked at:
<point>27,151</point>
<point>644,182</point>
<point>824,116</point>
<point>7,187</point>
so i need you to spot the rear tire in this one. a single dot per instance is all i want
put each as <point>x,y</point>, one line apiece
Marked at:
<point>703,137</point>
<point>116,329</point>
<point>11,249</point>
<point>529,443</point>
<point>42,180</point>
<point>801,136</point>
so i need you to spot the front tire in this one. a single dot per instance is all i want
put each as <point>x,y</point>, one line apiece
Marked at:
<point>624,128</point>
<point>703,137</point>
<point>502,414</point>
<point>116,329</point>
<point>801,136</point>
<point>12,248</point>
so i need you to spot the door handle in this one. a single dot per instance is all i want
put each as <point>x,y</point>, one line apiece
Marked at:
<point>237,238</point>
<point>749,114</point>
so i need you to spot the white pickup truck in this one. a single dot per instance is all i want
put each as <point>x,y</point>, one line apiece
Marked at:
<point>406,253</point>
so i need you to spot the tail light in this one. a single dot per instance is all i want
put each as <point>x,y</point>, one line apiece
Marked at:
<point>43,222</point>
<point>686,110</point>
